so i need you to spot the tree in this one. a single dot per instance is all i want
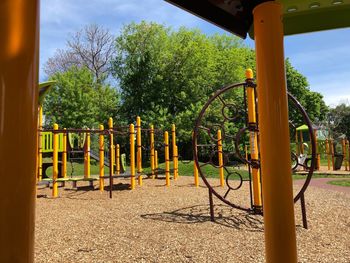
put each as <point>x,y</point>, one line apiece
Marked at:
<point>92,47</point>
<point>312,101</point>
<point>166,75</point>
<point>339,120</point>
<point>76,101</point>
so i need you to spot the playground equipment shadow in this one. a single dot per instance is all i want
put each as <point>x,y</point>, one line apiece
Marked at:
<point>171,224</point>
<point>226,216</point>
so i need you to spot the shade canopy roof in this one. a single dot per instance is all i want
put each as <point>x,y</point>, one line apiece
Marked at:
<point>299,16</point>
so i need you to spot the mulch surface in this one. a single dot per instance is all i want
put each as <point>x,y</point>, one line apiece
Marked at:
<point>154,223</point>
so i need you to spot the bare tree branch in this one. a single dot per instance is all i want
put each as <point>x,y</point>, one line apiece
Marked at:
<point>92,47</point>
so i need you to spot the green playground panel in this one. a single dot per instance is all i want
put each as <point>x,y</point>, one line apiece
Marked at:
<point>47,142</point>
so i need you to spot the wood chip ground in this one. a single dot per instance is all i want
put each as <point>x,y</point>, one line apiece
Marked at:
<point>157,224</point>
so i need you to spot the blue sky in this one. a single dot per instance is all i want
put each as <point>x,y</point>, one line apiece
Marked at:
<point>323,57</point>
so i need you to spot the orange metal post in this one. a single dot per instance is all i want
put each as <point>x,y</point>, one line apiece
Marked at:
<point>102,158</point>
<point>176,162</point>
<point>55,162</point>
<point>111,143</point>
<point>152,151</point>
<point>19,63</point>
<point>40,147</point>
<point>117,158</point>
<point>156,163</point>
<point>348,149</point>
<point>64,155</point>
<point>221,158</point>
<point>344,154</point>
<point>297,144</point>
<point>167,159</point>
<point>195,173</point>
<point>246,154</point>
<point>138,145</point>
<point>277,188</point>
<point>173,142</point>
<point>328,154</point>
<point>87,156</point>
<point>332,152</point>
<point>318,158</point>
<point>301,142</point>
<point>132,155</point>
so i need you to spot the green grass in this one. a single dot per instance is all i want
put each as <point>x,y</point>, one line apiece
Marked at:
<point>340,182</point>
<point>186,169</point>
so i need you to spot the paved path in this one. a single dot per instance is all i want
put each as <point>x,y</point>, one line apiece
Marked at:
<point>322,183</point>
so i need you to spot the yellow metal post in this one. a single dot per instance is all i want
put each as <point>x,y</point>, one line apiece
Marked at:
<point>301,142</point>
<point>87,156</point>
<point>176,162</point>
<point>117,159</point>
<point>156,163</point>
<point>347,155</point>
<point>331,146</point>
<point>318,157</point>
<point>297,143</point>
<point>167,159</point>
<point>64,155</point>
<point>152,151</point>
<point>195,174</point>
<point>253,140</point>
<point>138,143</point>
<point>102,158</point>
<point>139,180</point>
<point>40,146</point>
<point>173,142</point>
<point>220,159</point>
<point>277,186</point>
<point>328,154</point>
<point>344,154</point>
<point>132,155</point>
<point>348,149</point>
<point>55,162</point>
<point>111,149</point>
<point>19,63</point>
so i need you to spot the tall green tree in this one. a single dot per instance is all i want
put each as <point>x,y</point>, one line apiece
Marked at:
<point>339,120</point>
<point>77,101</point>
<point>166,76</point>
<point>312,102</point>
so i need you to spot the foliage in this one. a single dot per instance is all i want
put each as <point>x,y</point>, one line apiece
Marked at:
<point>339,120</point>
<point>312,101</point>
<point>76,101</point>
<point>166,76</point>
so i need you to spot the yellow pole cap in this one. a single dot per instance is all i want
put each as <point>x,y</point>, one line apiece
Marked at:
<point>55,126</point>
<point>110,122</point>
<point>101,127</point>
<point>249,73</point>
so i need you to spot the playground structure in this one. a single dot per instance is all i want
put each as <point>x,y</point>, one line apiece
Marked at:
<point>335,152</point>
<point>262,19</point>
<point>65,144</point>
<point>215,136</point>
